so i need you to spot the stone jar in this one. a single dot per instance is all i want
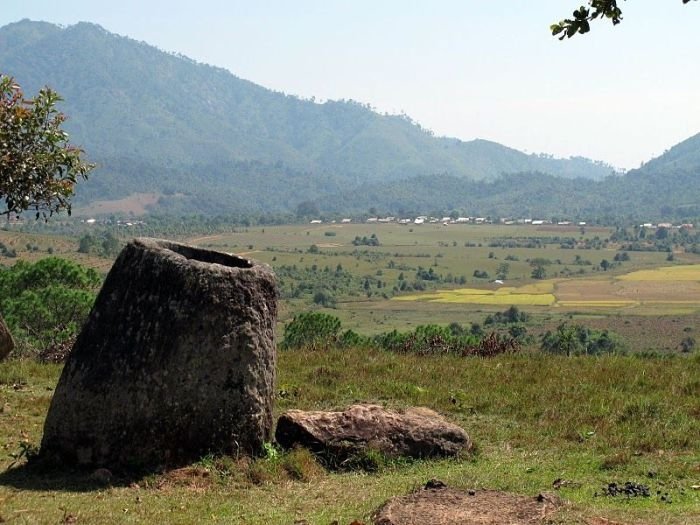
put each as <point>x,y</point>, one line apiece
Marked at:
<point>176,360</point>
<point>7,343</point>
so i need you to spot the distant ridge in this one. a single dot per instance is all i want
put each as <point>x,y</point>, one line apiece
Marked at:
<point>209,141</point>
<point>683,156</point>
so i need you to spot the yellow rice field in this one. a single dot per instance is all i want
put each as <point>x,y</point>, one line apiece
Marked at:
<point>538,294</point>
<point>659,288</point>
<point>689,272</point>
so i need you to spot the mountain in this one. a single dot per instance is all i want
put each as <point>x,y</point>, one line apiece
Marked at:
<point>637,196</point>
<point>208,141</point>
<point>684,156</point>
<point>665,188</point>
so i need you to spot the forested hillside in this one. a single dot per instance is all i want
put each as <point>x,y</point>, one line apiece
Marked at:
<point>643,195</point>
<point>157,122</point>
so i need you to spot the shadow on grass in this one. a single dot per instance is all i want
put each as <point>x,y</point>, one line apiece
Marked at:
<point>38,477</point>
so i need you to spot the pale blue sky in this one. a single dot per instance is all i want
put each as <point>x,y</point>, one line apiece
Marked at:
<point>464,68</point>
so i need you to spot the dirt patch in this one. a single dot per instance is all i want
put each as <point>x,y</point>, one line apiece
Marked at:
<point>440,505</point>
<point>136,203</point>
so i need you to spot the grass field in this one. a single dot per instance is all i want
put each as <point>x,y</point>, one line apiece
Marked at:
<point>535,418</point>
<point>644,287</point>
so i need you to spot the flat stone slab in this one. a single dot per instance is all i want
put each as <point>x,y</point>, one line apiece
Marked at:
<point>176,360</point>
<point>437,504</point>
<point>415,432</point>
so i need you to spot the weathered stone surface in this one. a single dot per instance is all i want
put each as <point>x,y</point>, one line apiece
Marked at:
<point>177,359</point>
<point>438,504</point>
<point>7,343</point>
<point>416,432</point>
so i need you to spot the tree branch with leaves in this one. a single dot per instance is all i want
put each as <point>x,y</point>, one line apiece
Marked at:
<point>583,16</point>
<point>38,167</point>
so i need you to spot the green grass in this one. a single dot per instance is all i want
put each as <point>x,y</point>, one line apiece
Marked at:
<point>534,418</point>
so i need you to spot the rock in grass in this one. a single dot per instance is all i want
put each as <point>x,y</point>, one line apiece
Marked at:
<point>337,436</point>
<point>7,343</point>
<point>176,360</point>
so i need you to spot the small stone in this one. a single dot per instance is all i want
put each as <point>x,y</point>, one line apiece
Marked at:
<point>435,484</point>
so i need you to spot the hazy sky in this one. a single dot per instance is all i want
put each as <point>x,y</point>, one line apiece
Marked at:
<point>464,68</point>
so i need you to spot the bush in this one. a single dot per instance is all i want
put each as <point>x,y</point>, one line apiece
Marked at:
<point>579,340</point>
<point>511,315</point>
<point>46,303</point>
<point>372,240</point>
<point>311,329</point>
<point>104,244</point>
<point>428,339</point>
<point>688,344</point>
<point>324,298</point>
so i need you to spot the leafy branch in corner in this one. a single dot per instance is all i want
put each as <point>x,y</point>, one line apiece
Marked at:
<point>583,16</point>
<point>38,167</point>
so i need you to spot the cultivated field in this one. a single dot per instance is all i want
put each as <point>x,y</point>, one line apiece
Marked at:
<point>645,291</point>
<point>643,288</point>
<point>656,290</point>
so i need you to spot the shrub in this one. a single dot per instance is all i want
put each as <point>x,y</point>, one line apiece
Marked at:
<point>311,329</point>
<point>579,340</point>
<point>324,298</point>
<point>688,344</point>
<point>45,303</point>
<point>511,315</point>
